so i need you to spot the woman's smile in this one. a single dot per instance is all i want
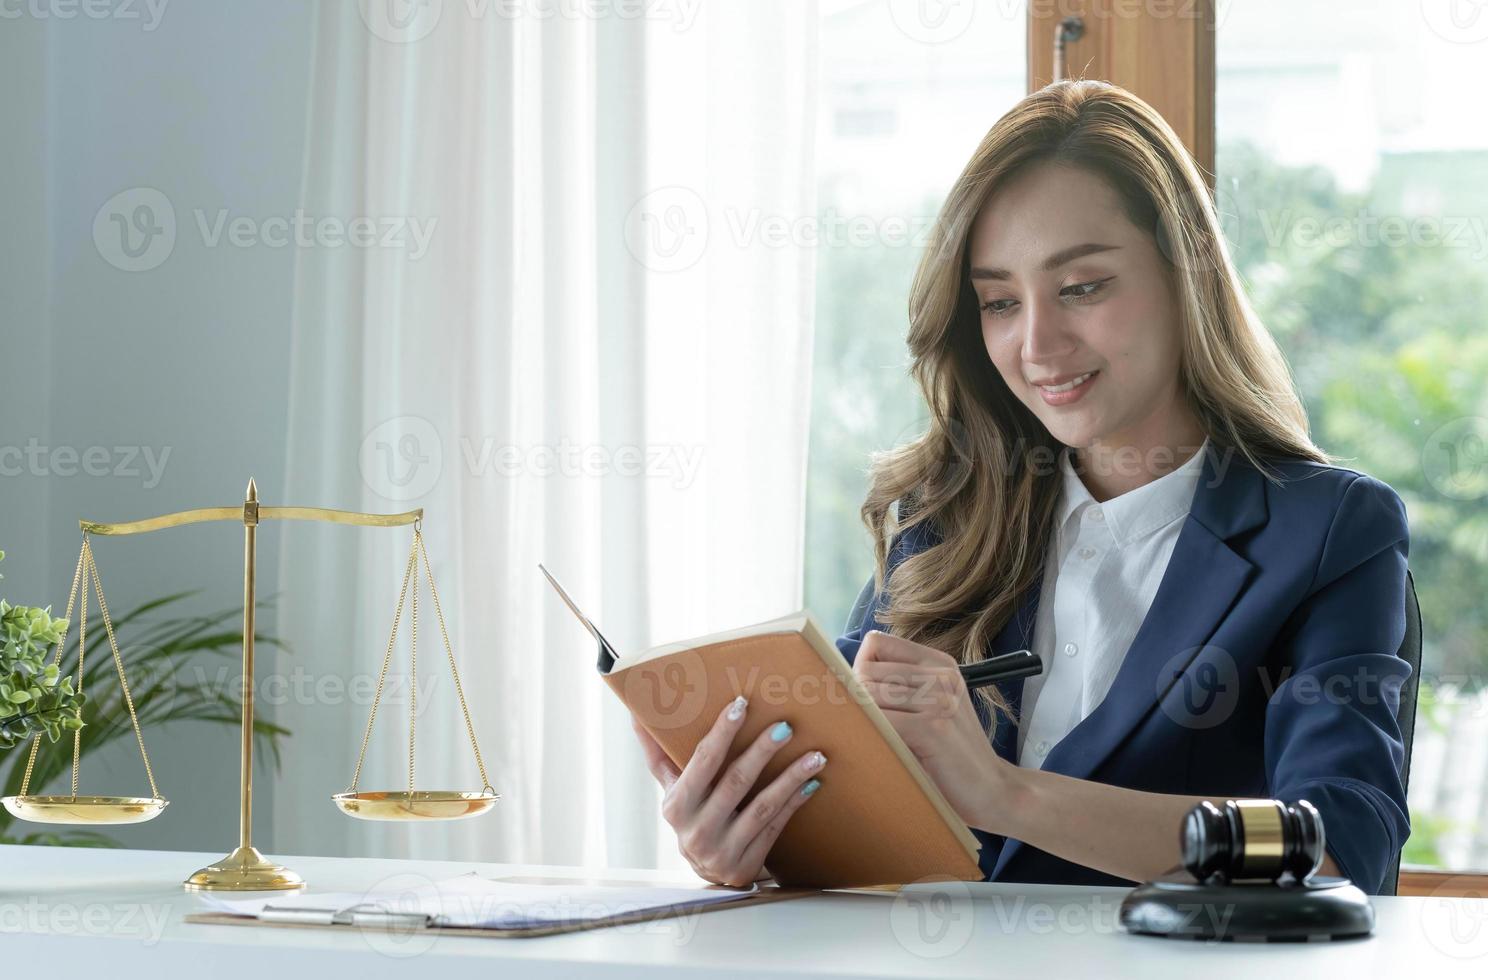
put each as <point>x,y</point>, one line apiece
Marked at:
<point>1069,392</point>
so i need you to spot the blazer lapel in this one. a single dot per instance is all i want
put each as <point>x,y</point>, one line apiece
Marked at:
<point>1016,634</point>
<point>1203,578</point>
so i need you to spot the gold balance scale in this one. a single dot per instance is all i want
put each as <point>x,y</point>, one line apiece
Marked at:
<point>245,869</point>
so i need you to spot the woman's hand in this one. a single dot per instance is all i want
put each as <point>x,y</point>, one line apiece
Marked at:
<point>724,846</point>
<point>921,692</point>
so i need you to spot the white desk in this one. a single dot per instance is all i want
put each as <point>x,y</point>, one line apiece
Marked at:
<point>87,912</point>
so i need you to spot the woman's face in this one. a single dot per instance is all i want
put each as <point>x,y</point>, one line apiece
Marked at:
<point>1067,286</point>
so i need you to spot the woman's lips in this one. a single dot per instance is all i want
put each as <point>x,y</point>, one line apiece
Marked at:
<point>1060,398</point>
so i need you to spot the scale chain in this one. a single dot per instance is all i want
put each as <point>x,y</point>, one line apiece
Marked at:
<point>413,664</point>
<point>386,661</point>
<point>108,629</point>
<point>454,671</point>
<point>77,735</point>
<point>86,575</point>
<point>77,577</point>
<point>419,550</point>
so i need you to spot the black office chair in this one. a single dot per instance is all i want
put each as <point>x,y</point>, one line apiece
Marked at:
<point>1405,716</point>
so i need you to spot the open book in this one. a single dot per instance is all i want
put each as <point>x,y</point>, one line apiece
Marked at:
<point>877,818</point>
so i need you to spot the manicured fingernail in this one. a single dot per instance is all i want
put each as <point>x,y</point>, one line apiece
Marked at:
<point>811,787</point>
<point>736,710</point>
<point>815,761</point>
<point>780,732</point>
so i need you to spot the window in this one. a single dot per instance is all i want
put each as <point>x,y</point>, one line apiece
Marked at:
<point>904,104</point>
<point>1350,177</point>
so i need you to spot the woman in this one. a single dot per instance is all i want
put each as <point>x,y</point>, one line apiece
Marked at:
<point>1118,476</point>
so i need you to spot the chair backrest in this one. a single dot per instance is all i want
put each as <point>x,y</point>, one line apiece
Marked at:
<point>1405,715</point>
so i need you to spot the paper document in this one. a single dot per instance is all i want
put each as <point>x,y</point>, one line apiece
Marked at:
<point>472,901</point>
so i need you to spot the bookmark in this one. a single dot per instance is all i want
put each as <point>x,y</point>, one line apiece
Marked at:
<point>607,654</point>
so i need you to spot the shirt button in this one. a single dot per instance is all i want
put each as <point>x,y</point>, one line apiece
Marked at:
<point>1070,649</point>
<point>1087,553</point>
<point>1041,747</point>
<point>1095,514</point>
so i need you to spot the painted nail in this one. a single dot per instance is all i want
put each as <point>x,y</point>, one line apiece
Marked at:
<point>811,787</point>
<point>780,732</point>
<point>736,710</point>
<point>815,761</point>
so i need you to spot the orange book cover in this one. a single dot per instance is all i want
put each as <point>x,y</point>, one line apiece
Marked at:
<point>877,818</point>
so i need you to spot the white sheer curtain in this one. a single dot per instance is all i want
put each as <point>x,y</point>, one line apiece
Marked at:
<point>580,337</point>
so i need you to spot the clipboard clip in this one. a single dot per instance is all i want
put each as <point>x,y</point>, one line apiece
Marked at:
<point>365,915</point>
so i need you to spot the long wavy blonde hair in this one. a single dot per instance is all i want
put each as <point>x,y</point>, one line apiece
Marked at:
<point>973,477</point>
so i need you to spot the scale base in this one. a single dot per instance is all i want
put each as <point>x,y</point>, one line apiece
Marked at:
<point>244,870</point>
<point>1318,909</point>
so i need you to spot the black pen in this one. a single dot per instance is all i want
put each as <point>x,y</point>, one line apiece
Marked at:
<point>1004,667</point>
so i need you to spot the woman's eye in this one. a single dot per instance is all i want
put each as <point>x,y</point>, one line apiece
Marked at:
<point>1085,290</point>
<point>1082,292</point>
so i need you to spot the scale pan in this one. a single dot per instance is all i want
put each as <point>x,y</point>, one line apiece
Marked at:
<point>400,804</point>
<point>85,809</point>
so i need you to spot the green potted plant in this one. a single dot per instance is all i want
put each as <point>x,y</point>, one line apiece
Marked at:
<point>34,697</point>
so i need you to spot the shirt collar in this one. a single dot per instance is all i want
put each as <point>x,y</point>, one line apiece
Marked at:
<point>1140,511</point>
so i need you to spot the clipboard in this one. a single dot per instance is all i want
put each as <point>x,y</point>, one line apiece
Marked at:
<point>403,923</point>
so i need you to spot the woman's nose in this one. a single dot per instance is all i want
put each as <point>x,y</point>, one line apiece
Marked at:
<point>1047,338</point>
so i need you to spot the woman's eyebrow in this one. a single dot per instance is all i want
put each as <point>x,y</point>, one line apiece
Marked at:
<point>1053,262</point>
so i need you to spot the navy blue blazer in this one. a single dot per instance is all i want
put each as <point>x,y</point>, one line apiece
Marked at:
<point>1267,666</point>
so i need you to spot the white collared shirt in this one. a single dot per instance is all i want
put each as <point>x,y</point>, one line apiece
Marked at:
<point>1103,568</point>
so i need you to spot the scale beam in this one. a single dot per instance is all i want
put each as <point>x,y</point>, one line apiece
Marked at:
<point>241,515</point>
